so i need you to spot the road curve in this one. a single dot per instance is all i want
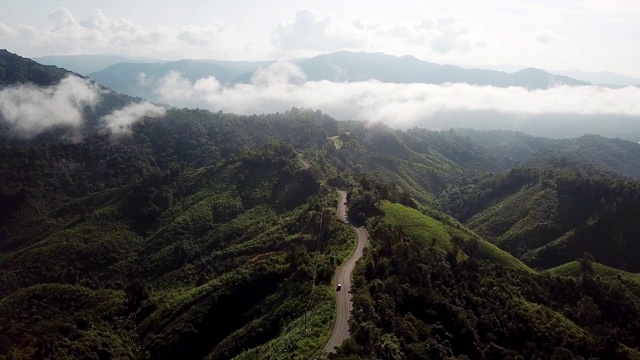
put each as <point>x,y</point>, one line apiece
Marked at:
<point>343,276</point>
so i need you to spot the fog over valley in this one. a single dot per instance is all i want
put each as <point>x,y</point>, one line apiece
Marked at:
<point>279,87</point>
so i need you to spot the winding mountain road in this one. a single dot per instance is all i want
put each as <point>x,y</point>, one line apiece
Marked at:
<point>343,276</point>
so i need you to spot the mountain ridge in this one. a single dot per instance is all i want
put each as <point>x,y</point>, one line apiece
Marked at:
<point>214,235</point>
<point>342,66</point>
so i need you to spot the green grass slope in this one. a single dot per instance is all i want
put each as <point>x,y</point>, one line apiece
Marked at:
<point>574,269</point>
<point>430,231</point>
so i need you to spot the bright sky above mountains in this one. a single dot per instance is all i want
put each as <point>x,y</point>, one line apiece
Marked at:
<point>588,35</point>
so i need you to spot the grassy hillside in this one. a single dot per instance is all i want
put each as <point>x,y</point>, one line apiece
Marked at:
<point>431,232</point>
<point>575,269</point>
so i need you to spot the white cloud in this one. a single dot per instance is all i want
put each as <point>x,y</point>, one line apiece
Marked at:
<point>545,37</point>
<point>143,80</point>
<point>448,35</point>
<point>311,31</point>
<point>63,19</point>
<point>7,31</point>
<point>29,110</point>
<point>179,90</point>
<point>102,34</point>
<point>400,105</point>
<point>120,121</point>
<point>202,35</point>
<point>281,72</point>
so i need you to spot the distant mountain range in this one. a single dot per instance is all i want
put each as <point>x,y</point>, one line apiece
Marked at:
<point>86,64</point>
<point>138,79</point>
<point>338,66</point>
<point>600,78</point>
<point>349,66</point>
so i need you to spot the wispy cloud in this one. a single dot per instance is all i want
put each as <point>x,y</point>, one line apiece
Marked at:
<point>545,37</point>
<point>119,121</point>
<point>29,110</point>
<point>6,31</point>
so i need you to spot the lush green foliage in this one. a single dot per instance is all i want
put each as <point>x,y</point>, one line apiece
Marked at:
<point>577,268</point>
<point>446,236</point>
<point>610,154</point>
<point>16,69</point>
<point>413,301</point>
<point>548,217</point>
<point>211,235</point>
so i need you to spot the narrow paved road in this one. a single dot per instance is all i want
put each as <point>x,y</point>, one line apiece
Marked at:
<point>343,276</point>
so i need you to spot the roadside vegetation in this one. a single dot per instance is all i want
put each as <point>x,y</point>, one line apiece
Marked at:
<point>212,235</point>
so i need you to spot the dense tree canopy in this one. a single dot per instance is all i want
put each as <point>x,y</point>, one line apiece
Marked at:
<point>212,235</point>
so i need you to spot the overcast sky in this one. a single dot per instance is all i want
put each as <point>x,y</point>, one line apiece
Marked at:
<point>560,34</point>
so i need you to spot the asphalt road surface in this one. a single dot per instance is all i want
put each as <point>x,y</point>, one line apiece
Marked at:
<point>343,276</point>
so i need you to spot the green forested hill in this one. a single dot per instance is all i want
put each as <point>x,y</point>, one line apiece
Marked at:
<point>419,161</point>
<point>425,290</point>
<point>194,220</point>
<point>211,261</point>
<point>212,235</point>
<point>16,69</point>
<point>444,235</point>
<point>548,217</point>
<point>616,155</point>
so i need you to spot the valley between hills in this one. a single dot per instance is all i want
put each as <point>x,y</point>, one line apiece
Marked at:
<point>195,234</point>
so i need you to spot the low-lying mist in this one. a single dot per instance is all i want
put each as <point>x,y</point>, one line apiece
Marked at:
<point>559,111</point>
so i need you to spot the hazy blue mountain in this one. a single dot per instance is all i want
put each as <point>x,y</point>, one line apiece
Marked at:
<point>240,67</point>
<point>338,66</point>
<point>86,64</point>
<point>342,66</point>
<point>362,66</point>
<point>601,78</point>
<point>140,79</point>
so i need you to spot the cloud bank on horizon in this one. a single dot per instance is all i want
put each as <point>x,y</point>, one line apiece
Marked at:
<point>585,34</point>
<point>281,86</point>
<point>29,110</point>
